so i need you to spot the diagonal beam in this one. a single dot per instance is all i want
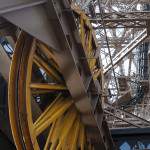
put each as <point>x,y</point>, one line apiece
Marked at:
<point>44,86</point>
<point>122,119</point>
<point>127,117</point>
<point>39,24</point>
<point>131,19</point>
<point>86,4</point>
<point>125,51</point>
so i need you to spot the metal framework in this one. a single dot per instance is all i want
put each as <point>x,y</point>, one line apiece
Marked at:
<point>93,52</point>
<point>58,53</point>
<point>123,118</point>
<point>132,19</point>
<point>127,26</point>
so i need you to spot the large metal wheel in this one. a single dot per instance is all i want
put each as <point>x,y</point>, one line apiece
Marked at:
<point>42,114</point>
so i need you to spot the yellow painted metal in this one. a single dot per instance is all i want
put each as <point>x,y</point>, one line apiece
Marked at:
<point>48,52</point>
<point>97,73</point>
<point>52,116</point>
<point>82,31</point>
<point>28,97</point>
<point>40,91</point>
<point>49,108</point>
<point>47,68</point>
<point>11,96</point>
<point>66,127</point>
<point>87,39</point>
<point>46,86</point>
<point>56,133</point>
<point>72,144</point>
<point>89,42</point>
<point>61,116</point>
<point>82,137</point>
<point>49,136</point>
<point>66,131</point>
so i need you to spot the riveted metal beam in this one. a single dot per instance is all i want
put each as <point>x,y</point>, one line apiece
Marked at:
<point>38,24</point>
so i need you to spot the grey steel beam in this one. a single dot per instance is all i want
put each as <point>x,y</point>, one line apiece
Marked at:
<point>124,120</point>
<point>125,51</point>
<point>13,5</point>
<point>126,116</point>
<point>120,24</point>
<point>123,19</point>
<point>31,16</point>
<point>116,16</point>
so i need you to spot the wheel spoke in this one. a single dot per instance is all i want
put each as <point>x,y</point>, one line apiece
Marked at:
<point>46,86</point>
<point>35,92</point>
<point>82,137</point>
<point>73,136</point>
<point>47,52</point>
<point>56,133</point>
<point>47,68</point>
<point>58,116</point>
<point>50,116</point>
<point>66,127</point>
<point>49,136</point>
<point>54,103</point>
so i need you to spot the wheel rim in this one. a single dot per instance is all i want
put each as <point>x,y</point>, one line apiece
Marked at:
<point>59,119</point>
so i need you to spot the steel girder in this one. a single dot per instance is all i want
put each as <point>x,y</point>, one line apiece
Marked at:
<point>31,16</point>
<point>125,117</point>
<point>124,20</point>
<point>53,23</point>
<point>126,50</point>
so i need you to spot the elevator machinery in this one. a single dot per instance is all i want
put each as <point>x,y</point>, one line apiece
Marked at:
<point>55,93</point>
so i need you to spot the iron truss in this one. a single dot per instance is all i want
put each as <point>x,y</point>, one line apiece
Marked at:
<point>123,20</point>
<point>127,35</point>
<point>122,31</point>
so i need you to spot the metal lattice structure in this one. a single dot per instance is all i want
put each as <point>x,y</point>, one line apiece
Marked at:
<point>122,31</point>
<point>78,69</point>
